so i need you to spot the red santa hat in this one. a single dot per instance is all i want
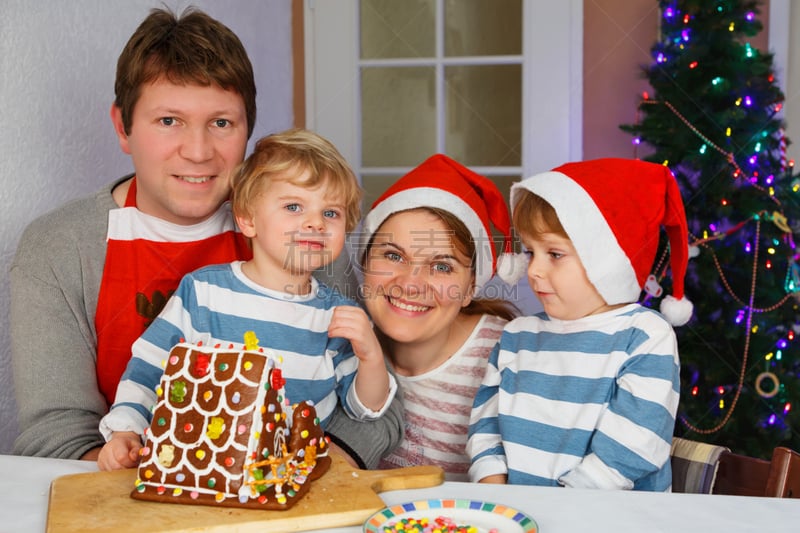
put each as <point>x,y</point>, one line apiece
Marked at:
<point>442,183</point>
<point>612,210</point>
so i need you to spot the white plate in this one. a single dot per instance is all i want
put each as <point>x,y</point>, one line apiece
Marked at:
<point>484,516</point>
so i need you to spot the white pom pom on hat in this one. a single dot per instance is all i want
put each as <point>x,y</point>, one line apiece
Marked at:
<point>443,183</point>
<point>612,210</point>
<point>511,267</point>
<point>677,312</point>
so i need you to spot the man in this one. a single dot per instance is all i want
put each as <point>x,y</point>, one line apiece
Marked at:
<point>89,277</point>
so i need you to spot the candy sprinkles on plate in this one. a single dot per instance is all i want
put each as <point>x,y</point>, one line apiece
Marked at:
<point>440,524</point>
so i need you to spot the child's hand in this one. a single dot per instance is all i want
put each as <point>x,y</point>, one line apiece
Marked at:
<point>122,451</point>
<point>353,324</point>
<point>372,383</point>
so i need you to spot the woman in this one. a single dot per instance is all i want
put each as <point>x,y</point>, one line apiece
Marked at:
<point>428,252</point>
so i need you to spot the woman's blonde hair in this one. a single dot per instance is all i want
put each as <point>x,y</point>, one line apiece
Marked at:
<point>302,150</point>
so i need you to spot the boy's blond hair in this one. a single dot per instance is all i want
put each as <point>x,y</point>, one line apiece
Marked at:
<point>297,149</point>
<point>533,216</point>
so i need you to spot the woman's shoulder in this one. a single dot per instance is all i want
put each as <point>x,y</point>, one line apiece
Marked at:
<point>492,323</point>
<point>488,328</point>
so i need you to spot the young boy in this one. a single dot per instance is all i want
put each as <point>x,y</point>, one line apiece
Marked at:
<point>585,393</point>
<point>295,198</point>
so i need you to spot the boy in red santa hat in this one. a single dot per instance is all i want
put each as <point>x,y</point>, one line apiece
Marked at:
<point>585,393</point>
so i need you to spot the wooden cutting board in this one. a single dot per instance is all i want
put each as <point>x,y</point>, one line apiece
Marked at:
<point>344,496</point>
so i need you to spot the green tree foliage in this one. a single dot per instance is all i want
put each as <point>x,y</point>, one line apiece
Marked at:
<point>713,118</point>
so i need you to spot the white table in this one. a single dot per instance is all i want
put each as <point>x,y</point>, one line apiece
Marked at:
<point>25,482</point>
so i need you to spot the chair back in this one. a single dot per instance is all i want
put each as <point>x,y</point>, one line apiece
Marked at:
<point>784,474</point>
<point>741,475</point>
<point>704,468</point>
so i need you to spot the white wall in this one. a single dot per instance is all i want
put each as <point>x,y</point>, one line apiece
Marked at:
<point>791,88</point>
<point>57,65</point>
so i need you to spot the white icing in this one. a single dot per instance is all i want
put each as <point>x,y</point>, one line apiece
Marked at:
<point>241,414</point>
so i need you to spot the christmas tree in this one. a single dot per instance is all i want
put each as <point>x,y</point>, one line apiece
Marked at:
<point>713,118</point>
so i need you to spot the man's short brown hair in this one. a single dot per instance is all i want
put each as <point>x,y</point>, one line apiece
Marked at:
<point>190,49</point>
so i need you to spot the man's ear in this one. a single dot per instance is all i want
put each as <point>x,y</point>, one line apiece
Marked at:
<point>246,225</point>
<point>119,128</point>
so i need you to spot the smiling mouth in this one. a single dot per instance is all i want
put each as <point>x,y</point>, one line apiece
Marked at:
<point>407,307</point>
<point>195,179</point>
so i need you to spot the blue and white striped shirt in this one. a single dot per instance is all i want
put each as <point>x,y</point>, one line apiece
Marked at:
<point>582,403</point>
<point>217,305</point>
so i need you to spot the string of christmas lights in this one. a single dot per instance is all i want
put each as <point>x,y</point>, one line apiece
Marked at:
<point>713,113</point>
<point>745,353</point>
<point>729,156</point>
<point>793,278</point>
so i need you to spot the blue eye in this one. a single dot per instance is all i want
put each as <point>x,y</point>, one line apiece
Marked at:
<point>167,121</point>
<point>442,268</point>
<point>294,208</point>
<point>330,213</point>
<point>393,256</point>
<point>222,122</point>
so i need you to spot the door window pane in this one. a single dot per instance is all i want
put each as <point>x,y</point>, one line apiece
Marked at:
<point>483,27</point>
<point>398,115</point>
<point>392,28</point>
<point>504,184</point>
<point>484,114</point>
<point>374,186</point>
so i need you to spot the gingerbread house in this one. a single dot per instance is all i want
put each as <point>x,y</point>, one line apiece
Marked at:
<point>223,432</point>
